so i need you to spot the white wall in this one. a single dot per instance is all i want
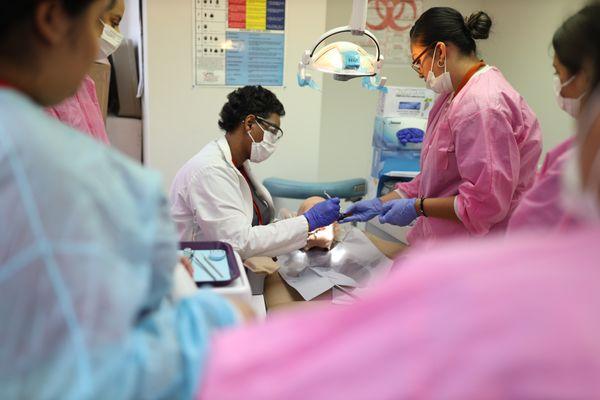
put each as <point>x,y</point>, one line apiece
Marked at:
<point>130,26</point>
<point>521,46</point>
<point>181,120</point>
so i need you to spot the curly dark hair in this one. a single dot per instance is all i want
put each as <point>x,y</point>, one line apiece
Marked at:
<point>255,100</point>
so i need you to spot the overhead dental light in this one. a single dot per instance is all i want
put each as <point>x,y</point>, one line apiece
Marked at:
<point>345,60</point>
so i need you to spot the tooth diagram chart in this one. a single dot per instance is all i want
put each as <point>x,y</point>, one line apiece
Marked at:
<point>239,42</point>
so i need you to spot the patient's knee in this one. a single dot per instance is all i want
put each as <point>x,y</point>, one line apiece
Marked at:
<point>309,203</point>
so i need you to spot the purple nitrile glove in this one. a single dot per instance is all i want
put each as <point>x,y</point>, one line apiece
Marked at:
<point>363,211</point>
<point>399,212</point>
<point>410,135</point>
<point>323,214</point>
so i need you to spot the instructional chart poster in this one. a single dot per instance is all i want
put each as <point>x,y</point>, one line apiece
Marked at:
<point>239,42</point>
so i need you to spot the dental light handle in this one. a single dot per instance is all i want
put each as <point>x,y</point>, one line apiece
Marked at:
<point>343,29</point>
<point>358,20</point>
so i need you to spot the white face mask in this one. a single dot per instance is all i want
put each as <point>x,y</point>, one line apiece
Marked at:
<point>441,84</point>
<point>568,105</point>
<point>580,201</point>
<point>262,150</point>
<point>110,41</point>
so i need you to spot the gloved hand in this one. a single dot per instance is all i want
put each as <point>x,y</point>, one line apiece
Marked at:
<point>363,211</point>
<point>399,212</point>
<point>323,214</point>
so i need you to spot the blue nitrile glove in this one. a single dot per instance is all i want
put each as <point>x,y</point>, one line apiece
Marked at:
<point>363,211</point>
<point>399,212</point>
<point>323,214</point>
<point>410,135</point>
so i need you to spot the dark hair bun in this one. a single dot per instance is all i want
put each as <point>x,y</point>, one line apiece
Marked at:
<point>479,24</point>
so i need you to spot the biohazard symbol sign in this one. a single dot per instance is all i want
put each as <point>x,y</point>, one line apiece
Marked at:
<point>397,15</point>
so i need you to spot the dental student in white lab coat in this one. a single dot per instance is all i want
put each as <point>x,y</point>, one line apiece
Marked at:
<point>216,197</point>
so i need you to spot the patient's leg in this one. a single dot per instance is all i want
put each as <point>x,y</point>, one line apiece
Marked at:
<point>309,203</point>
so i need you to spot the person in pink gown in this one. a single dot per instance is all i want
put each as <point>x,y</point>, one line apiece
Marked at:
<point>541,208</point>
<point>82,111</point>
<point>482,143</point>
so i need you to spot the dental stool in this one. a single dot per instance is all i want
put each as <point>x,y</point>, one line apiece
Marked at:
<point>351,189</point>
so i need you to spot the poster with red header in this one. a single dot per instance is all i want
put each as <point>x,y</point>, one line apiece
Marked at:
<point>239,42</point>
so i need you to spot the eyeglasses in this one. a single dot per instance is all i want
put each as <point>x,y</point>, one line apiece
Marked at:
<point>416,63</point>
<point>271,127</point>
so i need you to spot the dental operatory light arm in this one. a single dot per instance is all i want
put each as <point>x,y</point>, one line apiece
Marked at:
<point>358,20</point>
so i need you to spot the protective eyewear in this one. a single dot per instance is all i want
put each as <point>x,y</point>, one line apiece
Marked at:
<point>416,63</point>
<point>271,127</point>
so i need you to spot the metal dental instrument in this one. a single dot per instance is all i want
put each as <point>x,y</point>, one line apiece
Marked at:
<point>349,293</point>
<point>342,215</point>
<point>201,264</point>
<point>211,265</point>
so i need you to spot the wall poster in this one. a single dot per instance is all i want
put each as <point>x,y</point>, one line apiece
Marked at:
<point>239,42</point>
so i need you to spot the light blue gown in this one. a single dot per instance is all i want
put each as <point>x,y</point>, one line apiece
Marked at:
<point>87,251</point>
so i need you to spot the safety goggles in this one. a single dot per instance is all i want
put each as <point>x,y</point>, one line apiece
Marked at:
<point>271,127</point>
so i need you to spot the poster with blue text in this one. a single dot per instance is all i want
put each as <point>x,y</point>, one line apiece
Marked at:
<point>239,42</point>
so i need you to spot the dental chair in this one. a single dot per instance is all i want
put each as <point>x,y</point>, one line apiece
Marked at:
<point>350,190</point>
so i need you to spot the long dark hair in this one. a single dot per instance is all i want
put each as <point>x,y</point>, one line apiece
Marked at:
<point>445,24</point>
<point>577,41</point>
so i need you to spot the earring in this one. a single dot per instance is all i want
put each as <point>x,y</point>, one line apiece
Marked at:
<point>440,64</point>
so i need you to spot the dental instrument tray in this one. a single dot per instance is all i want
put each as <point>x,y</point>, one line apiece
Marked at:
<point>214,263</point>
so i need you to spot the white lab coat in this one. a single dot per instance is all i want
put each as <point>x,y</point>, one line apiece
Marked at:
<point>211,200</point>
